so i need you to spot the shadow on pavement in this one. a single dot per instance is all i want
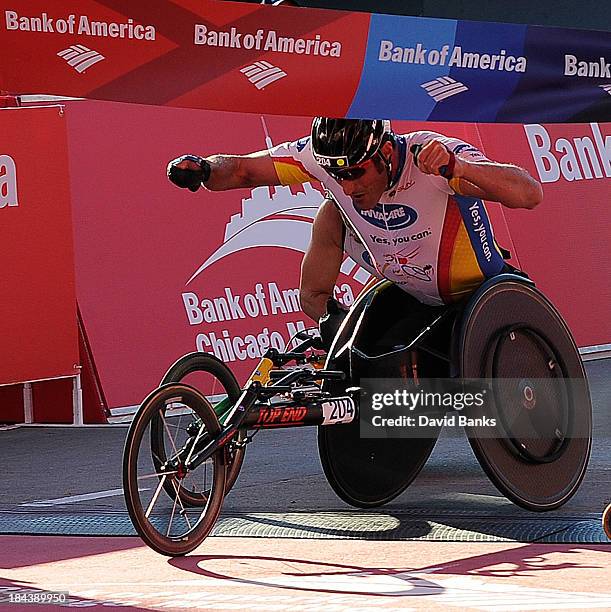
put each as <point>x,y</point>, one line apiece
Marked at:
<point>527,560</point>
<point>24,551</point>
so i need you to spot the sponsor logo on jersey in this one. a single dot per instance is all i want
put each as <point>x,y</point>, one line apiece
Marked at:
<point>390,216</point>
<point>461,148</point>
<point>301,143</point>
<point>480,229</point>
<point>402,238</point>
<point>405,187</point>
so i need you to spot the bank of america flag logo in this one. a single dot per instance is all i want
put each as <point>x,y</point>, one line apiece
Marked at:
<point>443,87</point>
<point>80,57</point>
<point>261,74</point>
<point>606,88</point>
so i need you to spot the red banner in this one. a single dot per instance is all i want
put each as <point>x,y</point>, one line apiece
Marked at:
<point>162,271</point>
<point>38,307</point>
<point>204,54</point>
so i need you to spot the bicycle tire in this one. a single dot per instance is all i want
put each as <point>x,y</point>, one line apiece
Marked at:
<point>184,543</point>
<point>204,362</point>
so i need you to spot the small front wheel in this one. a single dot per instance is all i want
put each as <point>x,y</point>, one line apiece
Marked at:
<point>165,523</point>
<point>215,380</point>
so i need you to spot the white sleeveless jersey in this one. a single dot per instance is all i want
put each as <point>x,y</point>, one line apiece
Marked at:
<point>435,244</point>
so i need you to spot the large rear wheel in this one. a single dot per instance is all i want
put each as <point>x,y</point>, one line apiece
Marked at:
<point>538,452</point>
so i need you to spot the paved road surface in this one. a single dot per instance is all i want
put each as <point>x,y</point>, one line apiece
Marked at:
<point>282,474</point>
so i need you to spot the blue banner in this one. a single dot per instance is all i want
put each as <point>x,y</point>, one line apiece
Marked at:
<point>447,70</point>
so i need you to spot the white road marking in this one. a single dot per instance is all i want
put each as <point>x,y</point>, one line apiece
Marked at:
<point>73,499</point>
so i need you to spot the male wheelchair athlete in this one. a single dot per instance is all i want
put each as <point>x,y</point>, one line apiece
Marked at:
<point>183,454</point>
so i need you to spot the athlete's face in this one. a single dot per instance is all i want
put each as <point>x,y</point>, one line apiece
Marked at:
<point>365,184</point>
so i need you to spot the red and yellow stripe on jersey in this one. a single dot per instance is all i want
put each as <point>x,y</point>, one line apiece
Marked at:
<point>291,172</point>
<point>459,271</point>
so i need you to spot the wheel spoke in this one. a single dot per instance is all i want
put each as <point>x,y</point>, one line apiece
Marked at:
<point>155,496</point>
<point>156,475</point>
<point>172,515</point>
<point>165,426</point>
<point>171,426</point>
<point>197,437</point>
<point>184,512</point>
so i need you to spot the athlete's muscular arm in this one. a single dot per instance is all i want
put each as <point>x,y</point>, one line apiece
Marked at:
<point>236,171</point>
<point>320,266</point>
<point>233,171</point>
<point>510,185</point>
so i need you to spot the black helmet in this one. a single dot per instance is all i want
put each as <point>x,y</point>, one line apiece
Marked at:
<point>341,143</point>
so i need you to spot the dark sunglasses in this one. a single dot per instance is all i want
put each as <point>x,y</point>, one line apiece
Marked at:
<point>347,174</point>
<point>350,174</point>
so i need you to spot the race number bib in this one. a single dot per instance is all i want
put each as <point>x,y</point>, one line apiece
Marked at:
<point>338,410</point>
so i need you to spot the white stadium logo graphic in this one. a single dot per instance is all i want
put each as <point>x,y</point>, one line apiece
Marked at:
<point>606,88</point>
<point>276,217</point>
<point>80,57</point>
<point>261,74</point>
<point>443,87</point>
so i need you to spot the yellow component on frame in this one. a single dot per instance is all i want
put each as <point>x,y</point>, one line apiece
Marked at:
<point>261,373</point>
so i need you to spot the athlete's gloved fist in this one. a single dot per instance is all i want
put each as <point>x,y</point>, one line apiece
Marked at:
<point>435,158</point>
<point>189,171</point>
<point>331,321</point>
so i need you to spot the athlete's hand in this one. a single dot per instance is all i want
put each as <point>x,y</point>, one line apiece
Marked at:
<point>330,322</point>
<point>189,171</point>
<point>435,158</point>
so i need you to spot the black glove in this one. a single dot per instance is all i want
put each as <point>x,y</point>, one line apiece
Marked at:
<point>447,171</point>
<point>330,322</point>
<point>189,179</point>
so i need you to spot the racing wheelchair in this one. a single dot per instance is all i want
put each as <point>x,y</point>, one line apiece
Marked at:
<point>184,450</point>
